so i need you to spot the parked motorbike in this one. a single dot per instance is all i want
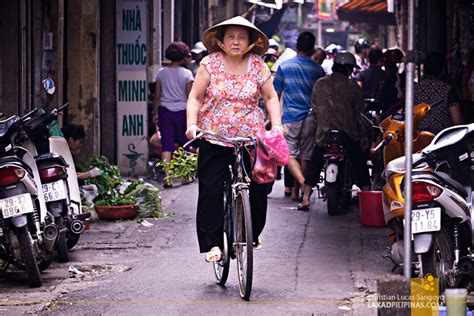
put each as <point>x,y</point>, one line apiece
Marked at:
<point>27,231</point>
<point>58,177</point>
<point>393,144</point>
<point>441,218</point>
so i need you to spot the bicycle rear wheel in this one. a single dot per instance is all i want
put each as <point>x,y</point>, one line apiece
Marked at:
<point>221,267</point>
<point>243,242</point>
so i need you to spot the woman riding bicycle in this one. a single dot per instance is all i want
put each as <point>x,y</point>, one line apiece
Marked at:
<point>224,100</point>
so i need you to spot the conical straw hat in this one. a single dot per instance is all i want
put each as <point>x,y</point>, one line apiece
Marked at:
<point>258,37</point>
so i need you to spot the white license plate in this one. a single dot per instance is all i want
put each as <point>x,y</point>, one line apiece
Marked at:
<point>425,220</point>
<point>54,191</point>
<point>16,205</point>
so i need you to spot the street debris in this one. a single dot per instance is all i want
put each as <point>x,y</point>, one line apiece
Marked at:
<point>146,223</point>
<point>345,308</point>
<point>74,272</point>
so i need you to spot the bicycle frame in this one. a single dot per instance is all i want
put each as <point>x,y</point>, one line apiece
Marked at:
<point>237,218</point>
<point>238,181</point>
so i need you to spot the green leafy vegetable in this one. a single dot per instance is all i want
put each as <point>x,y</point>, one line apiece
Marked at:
<point>183,165</point>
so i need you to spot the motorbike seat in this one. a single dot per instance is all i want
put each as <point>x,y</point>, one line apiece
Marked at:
<point>51,158</point>
<point>452,183</point>
<point>12,160</point>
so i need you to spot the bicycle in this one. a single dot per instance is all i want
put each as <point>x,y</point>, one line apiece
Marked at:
<point>237,218</point>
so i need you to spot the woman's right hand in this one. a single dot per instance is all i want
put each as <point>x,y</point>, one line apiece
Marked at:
<point>192,131</point>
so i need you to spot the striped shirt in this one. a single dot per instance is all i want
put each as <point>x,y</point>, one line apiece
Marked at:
<point>295,79</point>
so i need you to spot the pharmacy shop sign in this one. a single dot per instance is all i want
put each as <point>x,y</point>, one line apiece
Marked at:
<point>131,57</point>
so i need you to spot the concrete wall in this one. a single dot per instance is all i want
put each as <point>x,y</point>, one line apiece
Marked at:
<point>83,71</point>
<point>9,57</point>
<point>108,101</point>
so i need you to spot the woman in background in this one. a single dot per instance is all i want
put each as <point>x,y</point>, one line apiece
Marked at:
<point>173,84</point>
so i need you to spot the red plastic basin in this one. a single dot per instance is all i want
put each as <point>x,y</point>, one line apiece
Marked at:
<point>370,209</point>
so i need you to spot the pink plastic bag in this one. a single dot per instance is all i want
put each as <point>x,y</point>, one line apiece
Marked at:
<point>275,145</point>
<point>264,170</point>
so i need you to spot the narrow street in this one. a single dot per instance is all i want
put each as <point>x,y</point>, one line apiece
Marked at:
<point>310,264</point>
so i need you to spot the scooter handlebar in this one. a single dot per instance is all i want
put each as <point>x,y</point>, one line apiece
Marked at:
<point>28,115</point>
<point>62,107</point>
<point>384,141</point>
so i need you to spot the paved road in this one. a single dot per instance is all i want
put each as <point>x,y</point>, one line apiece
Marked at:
<point>310,264</point>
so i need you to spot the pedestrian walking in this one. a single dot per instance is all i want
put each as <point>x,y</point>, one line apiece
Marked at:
<point>445,110</point>
<point>362,48</point>
<point>331,52</point>
<point>295,79</point>
<point>224,100</point>
<point>391,95</point>
<point>319,56</point>
<point>198,52</point>
<point>371,79</point>
<point>173,84</point>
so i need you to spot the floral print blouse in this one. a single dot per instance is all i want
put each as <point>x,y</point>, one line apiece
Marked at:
<point>230,106</point>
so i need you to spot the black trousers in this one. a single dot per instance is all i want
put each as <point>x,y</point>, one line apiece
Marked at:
<point>359,165</point>
<point>213,162</point>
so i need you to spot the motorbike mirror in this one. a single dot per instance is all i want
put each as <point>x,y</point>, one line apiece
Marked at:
<point>378,128</point>
<point>49,86</point>
<point>370,123</point>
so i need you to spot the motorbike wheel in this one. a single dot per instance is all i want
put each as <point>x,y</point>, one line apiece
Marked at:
<point>61,246</point>
<point>332,196</point>
<point>46,261</point>
<point>439,259</point>
<point>72,240</point>
<point>29,259</point>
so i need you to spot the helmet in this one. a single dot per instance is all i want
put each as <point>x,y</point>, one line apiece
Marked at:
<point>333,49</point>
<point>393,56</point>
<point>273,43</point>
<point>270,57</point>
<point>360,45</point>
<point>272,51</point>
<point>346,58</point>
<point>198,48</point>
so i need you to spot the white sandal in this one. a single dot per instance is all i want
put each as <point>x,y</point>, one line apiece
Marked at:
<point>214,255</point>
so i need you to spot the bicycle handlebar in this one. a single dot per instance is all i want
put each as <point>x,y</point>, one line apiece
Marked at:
<point>231,140</point>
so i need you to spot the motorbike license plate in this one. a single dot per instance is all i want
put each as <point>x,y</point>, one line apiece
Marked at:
<point>16,205</point>
<point>54,191</point>
<point>425,220</point>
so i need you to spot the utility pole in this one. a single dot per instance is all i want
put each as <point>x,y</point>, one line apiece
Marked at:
<point>410,66</point>
<point>320,32</point>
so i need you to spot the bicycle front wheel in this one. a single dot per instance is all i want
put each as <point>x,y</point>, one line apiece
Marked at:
<point>221,267</point>
<point>243,243</point>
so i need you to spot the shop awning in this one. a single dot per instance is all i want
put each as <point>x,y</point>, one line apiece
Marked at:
<point>366,11</point>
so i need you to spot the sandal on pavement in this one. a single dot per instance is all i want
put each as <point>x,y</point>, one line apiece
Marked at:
<point>187,181</point>
<point>304,208</point>
<point>258,244</point>
<point>213,255</point>
<point>168,184</point>
<point>301,207</point>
